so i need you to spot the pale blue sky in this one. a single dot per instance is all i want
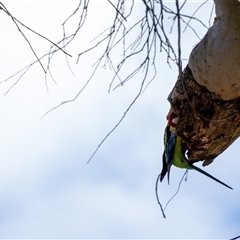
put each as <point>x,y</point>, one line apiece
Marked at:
<point>47,189</point>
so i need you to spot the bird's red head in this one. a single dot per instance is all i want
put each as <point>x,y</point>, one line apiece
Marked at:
<point>172,119</point>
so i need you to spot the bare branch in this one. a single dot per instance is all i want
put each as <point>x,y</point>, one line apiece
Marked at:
<point>150,26</point>
<point>124,114</point>
<point>16,21</point>
<point>179,186</point>
<point>117,10</point>
<point>179,38</point>
<point>192,17</point>
<point>151,37</point>
<point>235,238</point>
<point>156,193</point>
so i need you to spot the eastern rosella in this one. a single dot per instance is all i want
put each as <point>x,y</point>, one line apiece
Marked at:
<point>174,154</point>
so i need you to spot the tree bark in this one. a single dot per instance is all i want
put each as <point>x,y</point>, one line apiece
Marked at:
<point>206,96</point>
<point>215,61</point>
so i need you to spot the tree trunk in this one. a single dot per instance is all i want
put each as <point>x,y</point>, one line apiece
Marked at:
<point>207,95</point>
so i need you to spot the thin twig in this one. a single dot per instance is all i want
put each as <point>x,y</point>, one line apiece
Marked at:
<point>117,10</point>
<point>5,10</point>
<point>211,15</point>
<point>123,116</point>
<point>16,21</point>
<point>235,238</point>
<point>179,38</point>
<point>179,185</point>
<point>78,94</point>
<point>156,193</point>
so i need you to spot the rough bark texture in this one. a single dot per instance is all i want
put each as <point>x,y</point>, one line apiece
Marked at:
<point>206,124</point>
<point>206,96</point>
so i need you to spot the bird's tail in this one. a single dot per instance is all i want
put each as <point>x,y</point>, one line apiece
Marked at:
<point>208,175</point>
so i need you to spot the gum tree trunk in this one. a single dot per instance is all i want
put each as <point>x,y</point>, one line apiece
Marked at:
<point>207,95</point>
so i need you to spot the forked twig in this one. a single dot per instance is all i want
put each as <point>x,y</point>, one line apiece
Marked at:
<point>16,21</point>
<point>179,186</point>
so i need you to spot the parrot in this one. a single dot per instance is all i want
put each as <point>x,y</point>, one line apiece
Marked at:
<point>174,154</point>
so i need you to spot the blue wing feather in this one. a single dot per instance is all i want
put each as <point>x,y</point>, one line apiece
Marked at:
<point>169,145</point>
